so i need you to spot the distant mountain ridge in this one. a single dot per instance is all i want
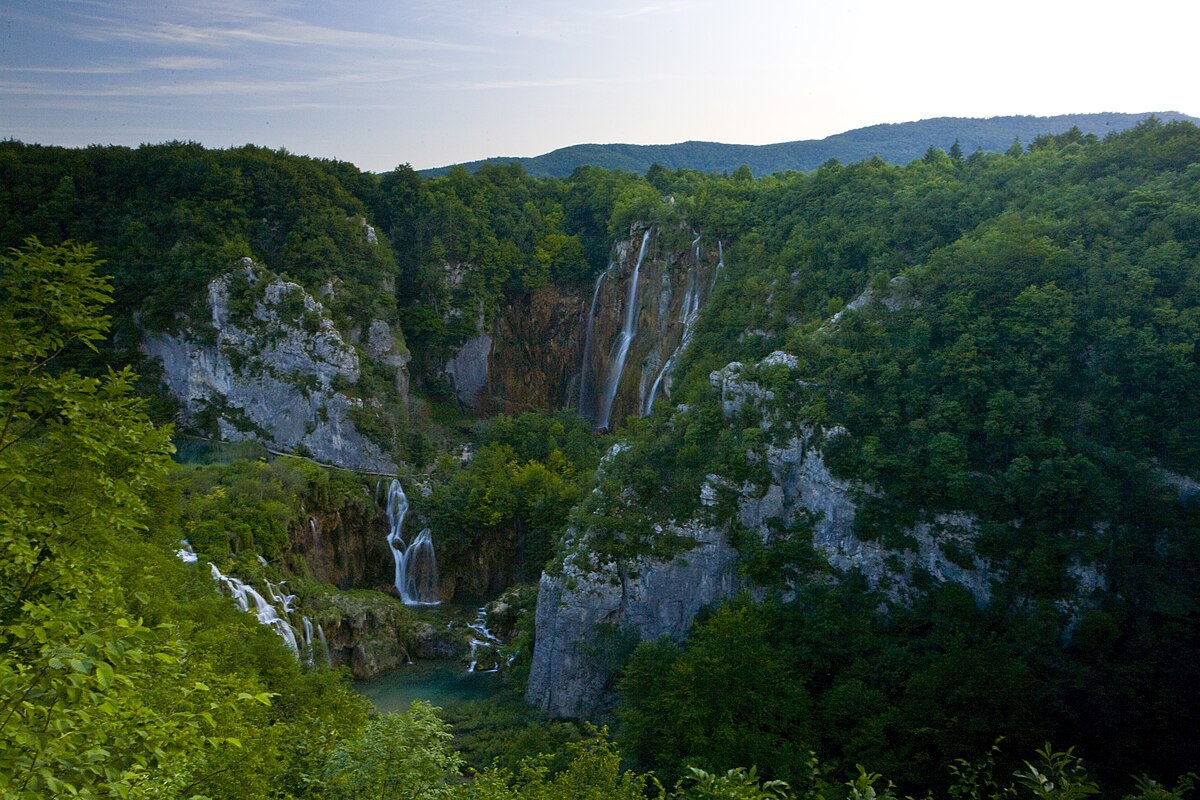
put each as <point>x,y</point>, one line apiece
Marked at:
<point>898,143</point>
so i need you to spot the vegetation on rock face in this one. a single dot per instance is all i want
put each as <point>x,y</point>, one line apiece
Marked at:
<point>249,506</point>
<point>520,485</point>
<point>1022,349</point>
<point>123,673</point>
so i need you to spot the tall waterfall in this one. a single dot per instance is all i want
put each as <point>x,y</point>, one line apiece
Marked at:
<point>720,265</point>
<point>621,351</point>
<point>416,563</point>
<point>689,310</point>
<point>587,399</point>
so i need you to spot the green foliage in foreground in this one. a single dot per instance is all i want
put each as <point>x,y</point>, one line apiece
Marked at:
<point>122,672</point>
<point>908,691</point>
<point>398,755</point>
<point>410,755</point>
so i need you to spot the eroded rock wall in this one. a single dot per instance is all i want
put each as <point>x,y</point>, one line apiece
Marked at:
<point>555,347</point>
<point>649,599</point>
<point>270,365</point>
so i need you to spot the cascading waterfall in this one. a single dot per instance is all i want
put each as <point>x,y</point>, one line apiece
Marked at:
<point>689,311</point>
<point>272,613</point>
<point>587,400</point>
<point>416,563</point>
<point>621,351</point>
<point>482,638</point>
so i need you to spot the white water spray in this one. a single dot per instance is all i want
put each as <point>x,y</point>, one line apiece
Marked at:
<point>416,564</point>
<point>482,637</point>
<point>720,265</point>
<point>308,640</point>
<point>187,554</point>
<point>266,611</point>
<point>621,351</point>
<point>321,638</point>
<point>689,311</point>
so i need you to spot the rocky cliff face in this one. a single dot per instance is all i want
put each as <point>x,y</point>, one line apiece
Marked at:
<point>485,569</point>
<point>344,547</point>
<point>270,365</point>
<point>648,599</point>
<point>569,675</point>
<point>558,347</point>
<point>539,344</point>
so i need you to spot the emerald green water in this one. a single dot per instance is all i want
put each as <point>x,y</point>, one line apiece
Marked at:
<point>444,683</point>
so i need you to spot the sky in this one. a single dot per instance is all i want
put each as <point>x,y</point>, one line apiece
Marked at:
<point>385,82</point>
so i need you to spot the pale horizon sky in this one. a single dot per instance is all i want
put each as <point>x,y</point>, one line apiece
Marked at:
<point>381,83</point>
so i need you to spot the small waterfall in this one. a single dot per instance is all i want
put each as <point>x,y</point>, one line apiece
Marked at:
<point>187,554</point>
<point>621,351</point>
<point>266,611</point>
<point>484,638</point>
<point>652,364</point>
<point>324,641</point>
<point>308,640</point>
<point>587,401</point>
<point>720,265</point>
<point>416,563</point>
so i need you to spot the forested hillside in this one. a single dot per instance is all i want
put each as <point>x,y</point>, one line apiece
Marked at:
<point>896,143</point>
<point>873,465</point>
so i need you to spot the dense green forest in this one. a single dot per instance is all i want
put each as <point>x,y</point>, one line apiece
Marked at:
<point>896,143</point>
<point>1021,351</point>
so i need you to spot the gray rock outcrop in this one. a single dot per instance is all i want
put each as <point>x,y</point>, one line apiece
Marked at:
<point>468,370</point>
<point>649,599</point>
<point>269,368</point>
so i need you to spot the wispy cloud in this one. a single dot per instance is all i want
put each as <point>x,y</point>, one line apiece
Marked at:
<point>527,84</point>
<point>648,10</point>
<point>227,32</point>
<point>97,69</point>
<point>186,63</point>
<point>217,87</point>
<point>128,68</point>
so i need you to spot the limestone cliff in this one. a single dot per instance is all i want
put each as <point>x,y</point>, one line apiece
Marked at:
<point>612,345</point>
<point>539,344</point>
<point>268,364</point>
<point>647,599</point>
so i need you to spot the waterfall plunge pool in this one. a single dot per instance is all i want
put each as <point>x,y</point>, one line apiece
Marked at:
<point>445,683</point>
